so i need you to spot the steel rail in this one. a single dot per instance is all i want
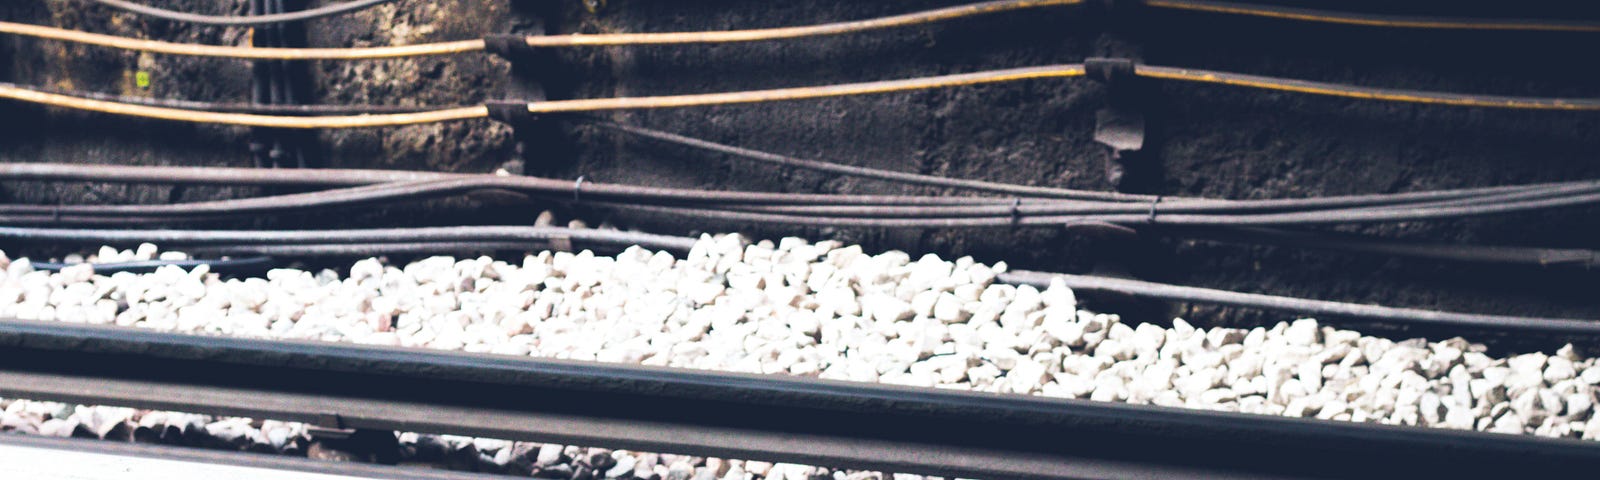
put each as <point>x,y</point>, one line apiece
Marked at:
<point>223,461</point>
<point>728,415</point>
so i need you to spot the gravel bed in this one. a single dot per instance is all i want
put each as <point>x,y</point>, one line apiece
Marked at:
<point>792,307</point>
<point>552,461</point>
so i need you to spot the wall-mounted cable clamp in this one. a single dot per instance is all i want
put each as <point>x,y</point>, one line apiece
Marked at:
<point>1121,125</point>
<point>537,143</point>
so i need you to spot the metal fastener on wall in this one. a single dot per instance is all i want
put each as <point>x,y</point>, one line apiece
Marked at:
<point>280,82</point>
<point>1121,124</point>
<point>539,144</point>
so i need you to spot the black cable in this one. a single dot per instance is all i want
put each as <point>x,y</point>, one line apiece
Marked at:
<point>512,234</point>
<point>807,217</point>
<point>863,172</point>
<point>1056,212</point>
<point>1046,192</point>
<point>509,236</point>
<point>380,249</point>
<point>1374,19</point>
<point>267,19</point>
<point>1341,242</point>
<point>260,90</point>
<point>1304,306</point>
<point>225,265</point>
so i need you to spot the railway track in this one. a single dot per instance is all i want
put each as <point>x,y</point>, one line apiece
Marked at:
<point>729,415</point>
<point>971,371</point>
<point>1075,426</point>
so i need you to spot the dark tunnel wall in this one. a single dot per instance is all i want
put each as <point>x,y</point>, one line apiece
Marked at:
<point>1211,140</point>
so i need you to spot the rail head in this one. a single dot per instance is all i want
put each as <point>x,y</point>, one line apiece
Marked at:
<point>734,415</point>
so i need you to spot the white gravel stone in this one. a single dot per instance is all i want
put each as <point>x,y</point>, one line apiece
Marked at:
<point>824,310</point>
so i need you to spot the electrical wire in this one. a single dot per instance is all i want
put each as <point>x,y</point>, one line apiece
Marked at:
<point>1062,71</point>
<point>241,119</point>
<point>783,33</point>
<point>439,185</point>
<point>225,265</point>
<point>1373,20</point>
<point>805,93</point>
<point>791,94</point>
<point>453,237</point>
<point>232,108</point>
<point>189,49</point>
<point>808,216</point>
<point>1303,306</point>
<point>377,249</point>
<point>1544,257</point>
<point>298,16</point>
<point>464,46</point>
<point>1032,192</point>
<point>398,184</point>
<point>1369,205</point>
<point>514,234</point>
<point>864,172</point>
<point>838,28</point>
<point>1366,93</point>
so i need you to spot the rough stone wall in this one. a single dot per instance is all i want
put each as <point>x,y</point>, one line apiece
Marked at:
<point>1214,141</point>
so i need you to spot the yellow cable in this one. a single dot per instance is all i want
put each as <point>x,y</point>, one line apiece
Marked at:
<point>242,119</point>
<point>788,94</point>
<point>1368,20</point>
<point>153,46</point>
<point>463,46</point>
<point>1318,88</point>
<point>918,18</point>
<point>802,93</point>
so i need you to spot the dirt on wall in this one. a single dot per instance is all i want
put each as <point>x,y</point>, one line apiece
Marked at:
<point>1211,141</point>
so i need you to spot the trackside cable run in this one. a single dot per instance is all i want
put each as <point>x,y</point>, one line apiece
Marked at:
<point>454,237</point>
<point>838,28</point>
<point>225,115</point>
<point>223,20</point>
<point>249,53</point>
<point>1372,19</point>
<point>240,119</point>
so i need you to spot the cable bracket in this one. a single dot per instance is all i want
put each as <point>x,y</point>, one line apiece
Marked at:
<point>509,46</point>
<point>537,142</point>
<point>1110,70</point>
<point>1120,125</point>
<point>511,112</point>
